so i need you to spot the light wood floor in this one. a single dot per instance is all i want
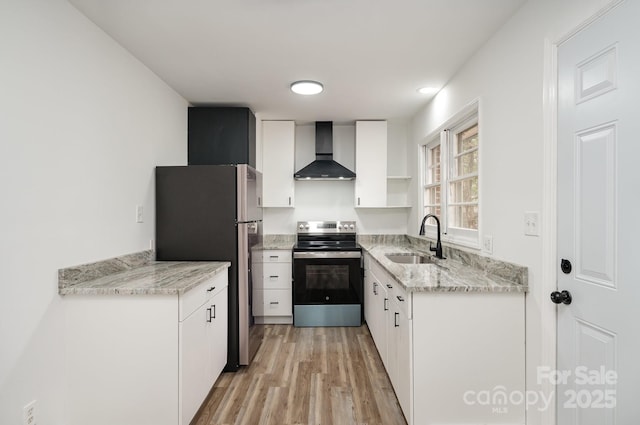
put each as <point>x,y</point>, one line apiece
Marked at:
<point>319,376</point>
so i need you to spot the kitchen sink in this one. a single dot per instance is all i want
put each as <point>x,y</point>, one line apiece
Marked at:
<point>410,258</point>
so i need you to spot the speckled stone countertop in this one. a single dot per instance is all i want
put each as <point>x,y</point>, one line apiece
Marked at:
<point>136,274</point>
<point>277,242</point>
<point>459,272</point>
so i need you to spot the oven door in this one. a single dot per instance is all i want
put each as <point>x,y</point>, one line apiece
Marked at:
<point>327,278</point>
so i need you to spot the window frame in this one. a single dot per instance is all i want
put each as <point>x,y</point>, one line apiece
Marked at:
<point>445,137</point>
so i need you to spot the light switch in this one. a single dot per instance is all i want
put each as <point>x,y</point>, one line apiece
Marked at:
<point>532,223</point>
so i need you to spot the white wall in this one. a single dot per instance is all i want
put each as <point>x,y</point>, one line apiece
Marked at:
<point>82,125</point>
<point>334,200</point>
<point>508,76</point>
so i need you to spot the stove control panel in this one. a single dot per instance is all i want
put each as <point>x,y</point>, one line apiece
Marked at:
<point>327,227</point>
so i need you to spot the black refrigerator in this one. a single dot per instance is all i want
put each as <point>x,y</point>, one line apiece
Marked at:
<point>214,213</point>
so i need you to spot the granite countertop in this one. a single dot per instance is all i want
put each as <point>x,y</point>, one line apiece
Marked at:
<point>122,276</point>
<point>284,242</point>
<point>450,274</point>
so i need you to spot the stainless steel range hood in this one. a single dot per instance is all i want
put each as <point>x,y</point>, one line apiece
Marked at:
<point>324,167</point>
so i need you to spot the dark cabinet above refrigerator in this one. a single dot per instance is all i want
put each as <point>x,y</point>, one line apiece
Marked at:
<point>221,135</point>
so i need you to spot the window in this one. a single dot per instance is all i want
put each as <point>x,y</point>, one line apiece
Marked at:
<point>451,189</point>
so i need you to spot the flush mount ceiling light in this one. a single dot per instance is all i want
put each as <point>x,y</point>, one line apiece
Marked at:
<point>428,90</point>
<point>306,87</point>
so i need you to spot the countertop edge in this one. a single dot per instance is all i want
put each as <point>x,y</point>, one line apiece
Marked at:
<point>199,277</point>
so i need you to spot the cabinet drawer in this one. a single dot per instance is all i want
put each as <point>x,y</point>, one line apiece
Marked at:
<point>276,256</point>
<point>277,276</point>
<point>272,302</point>
<point>194,298</point>
<point>393,289</point>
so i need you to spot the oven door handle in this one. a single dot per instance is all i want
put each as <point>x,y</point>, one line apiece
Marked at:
<point>327,254</point>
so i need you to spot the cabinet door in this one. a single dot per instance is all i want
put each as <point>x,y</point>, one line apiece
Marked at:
<point>371,164</point>
<point>369,294</point>
<point>402,358</point>
<point>221,135</point>
<point>381,309</point>
<point>278,139</point>
<point>194,349</point>
<point>217,338</point>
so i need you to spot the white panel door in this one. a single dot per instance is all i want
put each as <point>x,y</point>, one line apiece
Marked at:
<point>598,226</point>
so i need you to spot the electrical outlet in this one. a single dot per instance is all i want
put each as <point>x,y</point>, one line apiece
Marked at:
<point>532,223</point>
<point>29,414</point>
<point>139,212</point>
<point>487,244</point>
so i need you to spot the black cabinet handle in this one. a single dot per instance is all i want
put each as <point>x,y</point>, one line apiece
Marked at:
<point>274,302</point>
<point>385,304</point>
<point>375,286</point>
<point>209,315</point>
<point>395,320</point>
<point>400,298</point>
<point>211,289</point>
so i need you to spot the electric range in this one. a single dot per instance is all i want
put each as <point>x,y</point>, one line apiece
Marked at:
<point>327,275</point>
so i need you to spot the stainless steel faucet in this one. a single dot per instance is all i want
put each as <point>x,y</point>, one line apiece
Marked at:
<point>438,248</point>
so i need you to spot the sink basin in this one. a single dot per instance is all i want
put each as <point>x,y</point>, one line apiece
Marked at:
<point>410,258</point>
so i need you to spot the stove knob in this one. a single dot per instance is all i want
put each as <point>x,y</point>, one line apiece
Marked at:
<point>306,226</point>
<point>352,227</point>
<point>339,226</point>
<point>301,227</point>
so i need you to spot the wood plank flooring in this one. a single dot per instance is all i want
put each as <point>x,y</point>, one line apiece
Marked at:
<point>318,376</point>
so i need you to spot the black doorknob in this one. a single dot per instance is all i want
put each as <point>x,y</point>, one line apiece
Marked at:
<point>563,297</point>
<point>565,266</point>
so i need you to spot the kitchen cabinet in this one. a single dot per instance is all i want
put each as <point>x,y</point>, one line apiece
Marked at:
<point>221,135</point>
<point>203,347</point>
<point>376,312</point>
<point>278,140</point>
<point>389,321</point>
<point>144,359</point>
<point>272,290</point>
<point>371,164</point>
<point>440,347</point>
<point>399,345</point>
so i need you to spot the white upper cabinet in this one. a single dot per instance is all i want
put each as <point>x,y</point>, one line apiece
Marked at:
<point>371,164</point>
<point>278,138</point>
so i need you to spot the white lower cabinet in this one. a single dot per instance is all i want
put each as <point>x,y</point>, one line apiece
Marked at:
<point>272,286</point>
<point>203,351</point>
<point>445,351</point>
<point>399,350</point>
<point>376,311</point>
<point>144,359</point>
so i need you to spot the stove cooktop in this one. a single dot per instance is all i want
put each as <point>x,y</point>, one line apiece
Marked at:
<point>327,246</point>
<point>326,236</point>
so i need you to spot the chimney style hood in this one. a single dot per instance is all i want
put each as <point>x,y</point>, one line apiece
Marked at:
<point>324,167</point>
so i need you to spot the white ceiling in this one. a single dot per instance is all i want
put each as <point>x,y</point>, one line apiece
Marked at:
<point>371,55</point>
